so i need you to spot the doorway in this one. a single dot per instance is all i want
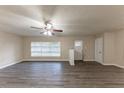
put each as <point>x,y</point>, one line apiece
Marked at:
<point>78,47</point>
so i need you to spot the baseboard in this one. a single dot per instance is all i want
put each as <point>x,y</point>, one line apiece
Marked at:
<point>10,64</point>
<point>113,65</point>
<point>89,59</point>
<point>45,60</point>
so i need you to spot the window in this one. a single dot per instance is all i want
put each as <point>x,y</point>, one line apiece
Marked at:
<point>45,48</point>
<point>78,43</point>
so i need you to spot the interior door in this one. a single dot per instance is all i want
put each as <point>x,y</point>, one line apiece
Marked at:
<point>99,50</point>
<point>78,50</point>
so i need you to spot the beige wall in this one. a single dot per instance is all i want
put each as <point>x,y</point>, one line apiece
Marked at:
<point>114,48</point>
<point>66,44</point>
<point>119,47</point>
<point>11,47</point>
<point>109,48</point>
<point>14,48</point>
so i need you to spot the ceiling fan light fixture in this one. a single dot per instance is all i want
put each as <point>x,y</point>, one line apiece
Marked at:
<point>47,29</point>
<point>47,33</point>
<point>49,26</point>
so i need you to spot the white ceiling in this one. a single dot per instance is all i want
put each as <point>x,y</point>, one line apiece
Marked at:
<point>73,19</point>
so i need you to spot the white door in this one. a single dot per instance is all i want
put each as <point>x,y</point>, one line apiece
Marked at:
<point>78,46</point>
<point>99,50</point>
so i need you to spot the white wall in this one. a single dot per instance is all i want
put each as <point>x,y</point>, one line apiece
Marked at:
<point>66,44</point>
<point>11,47</point>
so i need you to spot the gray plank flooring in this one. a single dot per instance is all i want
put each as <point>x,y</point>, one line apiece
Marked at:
<point>61,75</point>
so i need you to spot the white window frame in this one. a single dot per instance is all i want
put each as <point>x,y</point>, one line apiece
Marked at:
<point>41,54</point>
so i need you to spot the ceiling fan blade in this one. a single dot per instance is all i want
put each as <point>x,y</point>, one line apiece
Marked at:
<point>36,27</point>
<point>55,30</point>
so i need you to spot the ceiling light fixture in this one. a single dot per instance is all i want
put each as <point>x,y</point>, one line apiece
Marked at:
<point>47,29</point>
<point>49,26</point>
<point>47,33</point>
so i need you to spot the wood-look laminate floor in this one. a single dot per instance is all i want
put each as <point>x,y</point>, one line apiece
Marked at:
<point>61,74</point>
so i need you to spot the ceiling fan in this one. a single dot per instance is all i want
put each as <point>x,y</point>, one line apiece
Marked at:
<point>47,29</point>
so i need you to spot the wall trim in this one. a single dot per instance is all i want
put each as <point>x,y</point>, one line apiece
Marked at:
<point>45,59</point>
<point>113,65</point>
<point>89,59</point>
<point>10,64</point>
